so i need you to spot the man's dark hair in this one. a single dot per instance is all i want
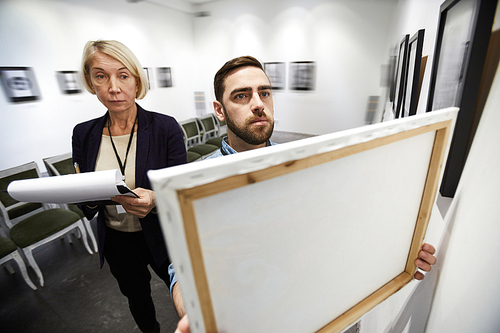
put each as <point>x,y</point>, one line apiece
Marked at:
<point>229,66</point>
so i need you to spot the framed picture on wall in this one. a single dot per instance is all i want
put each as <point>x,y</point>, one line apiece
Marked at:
<point>69,82</point>
<point>19,84</point>
<point>276,72</point>
<point>400,76</point>
<point>148,76</point>
<point>415,45</point>
<point>302,75</point>
<point>462,41</point>
<point>164,76</point>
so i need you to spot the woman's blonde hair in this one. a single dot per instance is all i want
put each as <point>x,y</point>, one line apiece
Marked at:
<point>117,51</point>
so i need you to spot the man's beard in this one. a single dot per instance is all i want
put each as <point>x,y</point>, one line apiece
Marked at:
<point>254,135</point>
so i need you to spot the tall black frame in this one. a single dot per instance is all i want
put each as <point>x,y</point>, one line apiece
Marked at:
<point>415,46</point>
<point>467,88</point>
<point>400,77</point>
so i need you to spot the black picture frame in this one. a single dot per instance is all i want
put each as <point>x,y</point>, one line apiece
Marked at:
<point>164,77</point>
<point>302,75</point>
<point>400,76</point>
<point>463,35</point>
<point>69,82</point>
<point>276,72</point>
<point>19,84</point>
<point>415,46</point>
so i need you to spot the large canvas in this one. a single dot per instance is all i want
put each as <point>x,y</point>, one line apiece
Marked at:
<point>305,236</point>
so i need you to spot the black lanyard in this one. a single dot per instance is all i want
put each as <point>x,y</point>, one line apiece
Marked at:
<point>122,166</point>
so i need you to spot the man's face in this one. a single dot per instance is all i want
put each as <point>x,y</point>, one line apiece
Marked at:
<point>247,105</point>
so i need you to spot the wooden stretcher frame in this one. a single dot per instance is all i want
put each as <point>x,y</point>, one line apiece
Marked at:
<point>187,196</point>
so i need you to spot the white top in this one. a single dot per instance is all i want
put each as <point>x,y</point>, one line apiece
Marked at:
<point>106,159</point>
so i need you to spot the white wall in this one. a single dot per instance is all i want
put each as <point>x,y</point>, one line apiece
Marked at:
<point>467,297</point>
<point>49,36</point>
<point>462,293</point>
<point>346,39</point>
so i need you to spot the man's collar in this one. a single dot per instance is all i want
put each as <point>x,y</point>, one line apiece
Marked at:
<point>226,149</point>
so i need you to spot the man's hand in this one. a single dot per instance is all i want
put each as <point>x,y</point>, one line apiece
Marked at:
<point>425,260</point>
<point>139,207</point>
<point>183,325</point>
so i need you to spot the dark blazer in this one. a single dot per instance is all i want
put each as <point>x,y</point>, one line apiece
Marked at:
<point>160,144</point>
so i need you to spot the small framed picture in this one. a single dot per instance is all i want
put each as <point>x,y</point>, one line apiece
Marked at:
<point>69,82</point>
<point>148,76</point>
<point>164,75</point>
<point>276,72</point>
<point>19,84</point>
<point>302,75</point>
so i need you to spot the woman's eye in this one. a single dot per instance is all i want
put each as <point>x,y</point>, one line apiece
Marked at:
<point>124,77</point>
<point>99,76</point>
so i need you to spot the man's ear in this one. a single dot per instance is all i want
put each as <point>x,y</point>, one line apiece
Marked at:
<point>218,109</point>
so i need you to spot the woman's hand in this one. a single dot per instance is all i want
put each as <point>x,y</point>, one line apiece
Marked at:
<point>139,207</point>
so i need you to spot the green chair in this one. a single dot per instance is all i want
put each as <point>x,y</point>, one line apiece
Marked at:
<point>9,251</point>
<point>192,156</point>
<point>31,225</point>
<point>63,165</point>
<point>193,138</point>
<point>210,130</point>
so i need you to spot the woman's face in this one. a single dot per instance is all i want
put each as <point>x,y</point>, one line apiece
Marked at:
<point>113,83</point>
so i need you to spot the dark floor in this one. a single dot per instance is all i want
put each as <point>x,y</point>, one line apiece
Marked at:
<point>78,296</point>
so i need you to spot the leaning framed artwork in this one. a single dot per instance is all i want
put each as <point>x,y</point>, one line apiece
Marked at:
<point>462,40</point>
<point>281,239</point>
<point>400,76</point>
<point>415,45</point>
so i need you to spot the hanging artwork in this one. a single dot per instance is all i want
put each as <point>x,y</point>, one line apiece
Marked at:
<point>69,82</point>
<point>276,72</point>
<point>302,75</point>
<point>164,76</point>
<point>19,84</point>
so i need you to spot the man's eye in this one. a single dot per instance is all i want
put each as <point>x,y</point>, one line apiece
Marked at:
<point>240,96</point>
<point>265,94</point>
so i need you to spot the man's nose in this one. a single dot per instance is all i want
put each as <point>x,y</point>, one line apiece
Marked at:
<point>257,104</point>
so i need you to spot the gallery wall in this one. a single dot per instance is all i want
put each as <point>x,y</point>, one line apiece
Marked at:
<point>345,38</point>
<point>49,36</point>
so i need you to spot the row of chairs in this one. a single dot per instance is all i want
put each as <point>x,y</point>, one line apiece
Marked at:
<point>26,226</point>
<point>202,136</point>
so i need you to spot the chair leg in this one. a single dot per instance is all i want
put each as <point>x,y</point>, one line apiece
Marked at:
<point>17,257</point>
<point>34,265</point>
<point>9,268</point>
<point>91,233</point>
<point>84,236</point>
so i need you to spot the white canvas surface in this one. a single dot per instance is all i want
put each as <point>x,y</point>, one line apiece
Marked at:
<point>292,253</point>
